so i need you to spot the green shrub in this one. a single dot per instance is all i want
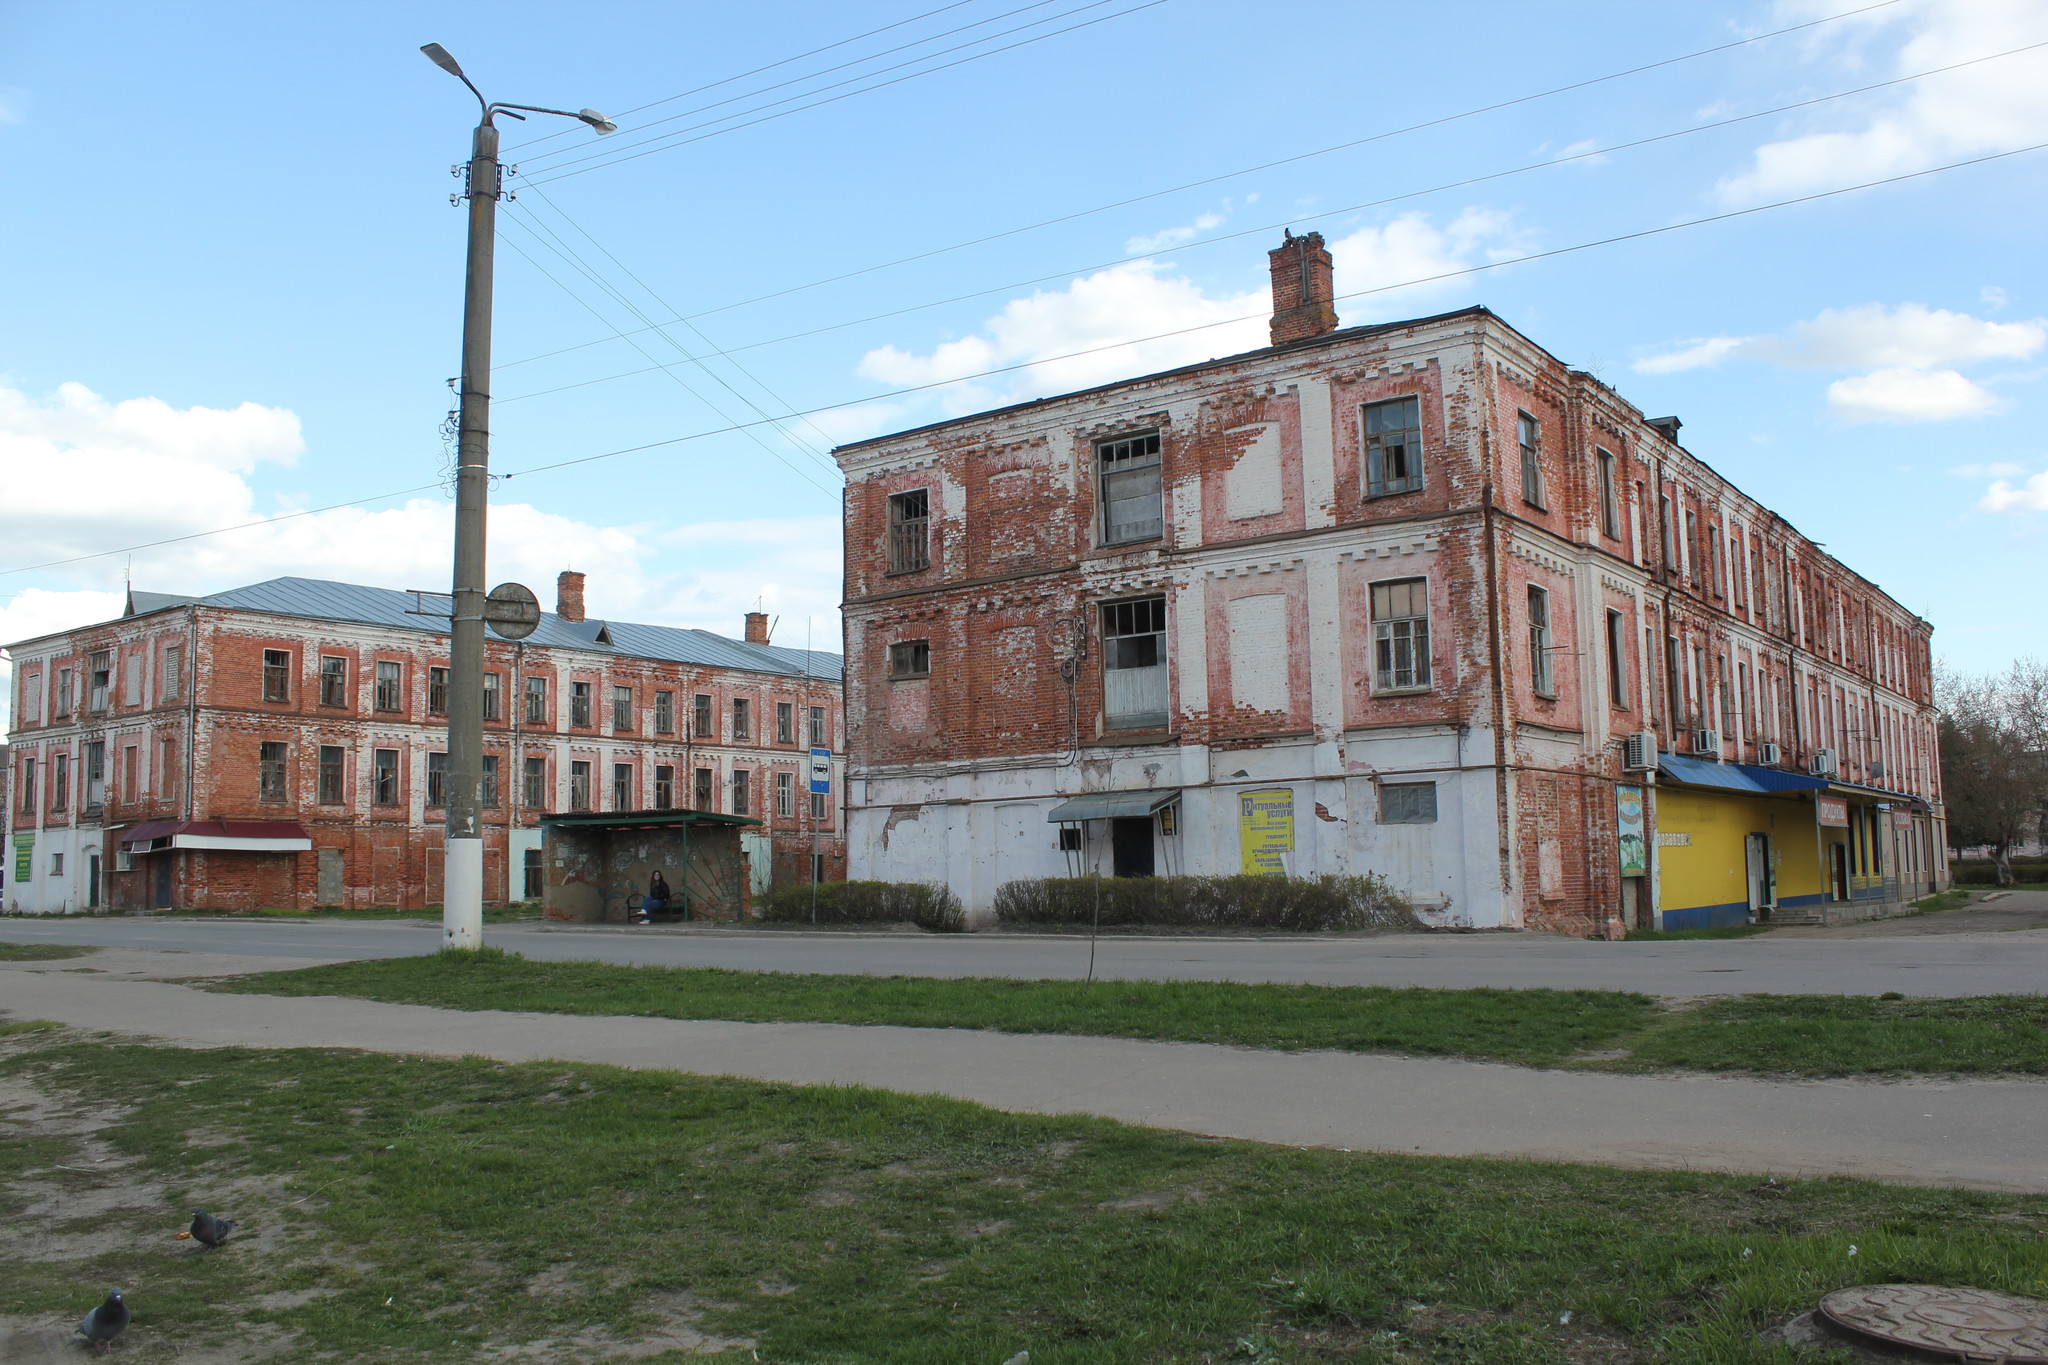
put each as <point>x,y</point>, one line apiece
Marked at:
<point>1240,902</point>
<point>1981,871</point>
<point>929,907</point>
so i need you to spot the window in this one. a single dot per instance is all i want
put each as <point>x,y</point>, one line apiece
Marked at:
<point>1689,548</point>
<point>1393,447</point>
<point>910,526</point>
<point>1610,507</point>
<point>785,793</point>
<point>384,776</point>
<point>1134,664</point>
<point>700,796</point>
<point>95,776</point>
<point>130,762</point>
<point>167,771</point>
<point>664,788</point>
<point>437,779</point>
<point>1714,560</point>
<point>1617,661</point>
<point>1540,675</point>
<point>622,709</point>
<point>25,774</point>
<point>1724,682</point>
<point>332,759</point>
<point>742,718</point>
<point>437,691</point>
<point>533,876</point>
<point>60,783</point>
<point>536,701</point>
<point>579,703</point>
<point>819,739</point>
<point>1400,634</point>
<point>63,692</point>
<point>664,713</point>
<point>277,675</point>
<point>701,726</point>
<point>785,723</point>
<point>30,709</point>
<point>1408,803</point>
<point>739,791</point>
<point>390,678</point>
<point>1664,516</point>
<point>100,671</point>
<point>333,681</point>
<point>910,659</point>
<point>622,786</point>
<point>533,783</point>
<point>817,808</point>
<point>1133,507</point>
<point>579,785</point>
<point>487,785</point>
<point>1530,437</point>
<point>56,864</point>
<point>172,685</point>
<point>494,708</point>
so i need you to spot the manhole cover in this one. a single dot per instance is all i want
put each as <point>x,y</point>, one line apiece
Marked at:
<point>1962,1324</point>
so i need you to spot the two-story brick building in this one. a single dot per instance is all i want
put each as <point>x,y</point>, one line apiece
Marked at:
<point>1415,598</point>
<point>284,745</point>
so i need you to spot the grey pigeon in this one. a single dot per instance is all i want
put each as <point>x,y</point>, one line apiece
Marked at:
<point>209,1230</point>
<point>105,1322</point>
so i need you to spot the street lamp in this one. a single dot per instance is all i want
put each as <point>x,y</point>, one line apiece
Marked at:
<point>462,883</point>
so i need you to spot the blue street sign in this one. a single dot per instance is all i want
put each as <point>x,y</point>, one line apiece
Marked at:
<point>821,771</point>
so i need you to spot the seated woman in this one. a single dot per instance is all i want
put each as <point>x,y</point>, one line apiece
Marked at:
<point>655,901</point>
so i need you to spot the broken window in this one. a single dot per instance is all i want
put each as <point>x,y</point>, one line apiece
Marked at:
<point>536,701</point>
<point>1610,508</point>
<point>1530,435</point>
<point>1617,661</point>
<point>1408,803</point>
<point>818,736</point>
<point>437,779</point>
<point>622,708</point>
<point>739,791</point>
<point>1393,446</point>
<point>384,777</point>
<point>1540,675</point>
<point>579,703</point>
<point>1400,634</point>
<point>1134,684</point>
<point>63,692</point>
<point>785,793</point>
<point>100,668</point>
<point>277,673</point>
<point>95,776</point>
<point>703,727</point>
<point>622,786</point>
<point>25,774</point>
<point>533,875</point>
<point>1133,505</point>
<point>333,681</point>
<point>533,783</point>
<point>332,760</point>
<point>437,691</point>
<point>664,788</point>
<point>664,713</point>
<point>742,719</point>
<point>493,706</point>
<point>910,659</point>
<point>579,785</point>
<point>700,796</point>
<point>910,526</point>
<point>785,723</point>
<point>487,786</point>
<point>60,782</point>
<point>390,685</point>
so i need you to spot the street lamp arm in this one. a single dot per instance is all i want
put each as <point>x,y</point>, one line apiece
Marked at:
<point>589,116</point>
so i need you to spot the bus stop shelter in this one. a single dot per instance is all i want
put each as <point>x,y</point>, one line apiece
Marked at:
<point>598,865</point>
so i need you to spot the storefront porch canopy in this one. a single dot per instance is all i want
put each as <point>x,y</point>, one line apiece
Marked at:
<point>1109,805</point>
<point>1736,777</point>
<point>240,836</point>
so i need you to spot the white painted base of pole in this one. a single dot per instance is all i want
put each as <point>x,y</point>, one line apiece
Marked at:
<point>462,894</point>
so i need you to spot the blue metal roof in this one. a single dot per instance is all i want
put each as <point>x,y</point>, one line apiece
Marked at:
<point>320,600</point>
<point>1739,777</point>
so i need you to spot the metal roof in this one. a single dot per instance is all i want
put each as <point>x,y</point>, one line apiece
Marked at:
<point>320,600</point>
<point>1109,805</point>
<point>644,819</point>
<point>1739,777</point>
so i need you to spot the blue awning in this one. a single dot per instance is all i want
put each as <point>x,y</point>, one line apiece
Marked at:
<point>1109,805</point>
<point>1735,777</point>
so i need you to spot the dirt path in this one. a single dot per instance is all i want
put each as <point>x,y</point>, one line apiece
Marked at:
<point>1983,1134</point>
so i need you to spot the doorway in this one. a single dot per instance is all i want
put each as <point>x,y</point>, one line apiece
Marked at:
<point>1762,888</point>
<point>1130,845</point>
<point>92,881</point>
<point>1838,870</point>
<point>162,859</point>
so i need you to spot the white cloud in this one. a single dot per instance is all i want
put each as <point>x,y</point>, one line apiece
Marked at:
<point>1994,297</point>
<point>1901,394</point>
<point>1095,313</point>
<point>1987,471</point>
<point>2031,496</point>
<point>1988,107</point>
<point>1168,238</point>
<point>1694,355</point>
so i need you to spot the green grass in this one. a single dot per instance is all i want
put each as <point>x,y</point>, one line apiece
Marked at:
<point>42,952</point>
<point>1812,1035</point>
<point>1674,935</point>
<point>431,1210</point>
<point>1535,1027</point>
<point>1942,900</point>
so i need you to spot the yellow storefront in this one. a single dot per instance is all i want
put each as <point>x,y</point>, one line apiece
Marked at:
<point>1735,843</point>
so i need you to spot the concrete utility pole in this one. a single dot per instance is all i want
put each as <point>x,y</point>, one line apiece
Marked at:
<point>462,880</point>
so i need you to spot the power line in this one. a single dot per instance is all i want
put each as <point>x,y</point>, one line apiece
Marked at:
<point>1110,346</point>
<point>1251,170</point>
<point>1290,222</point>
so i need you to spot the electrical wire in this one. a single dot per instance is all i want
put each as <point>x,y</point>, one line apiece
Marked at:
<point>1250,170</point>
<point>1291,222</point>
<point>1638,235</point>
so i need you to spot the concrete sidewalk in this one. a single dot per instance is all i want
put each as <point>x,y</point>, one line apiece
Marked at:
<point>1981,1134</point>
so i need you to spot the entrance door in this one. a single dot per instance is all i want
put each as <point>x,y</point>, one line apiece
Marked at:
<point>163,879</point>
<point>1838,870</point>
<point>1757,850</point>
<point>1130,843</point>
<point>92,881</point>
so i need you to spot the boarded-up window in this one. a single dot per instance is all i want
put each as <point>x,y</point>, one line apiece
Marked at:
<point>1408,803</point>
<point>1259,657</point>
<point>1251,487</point>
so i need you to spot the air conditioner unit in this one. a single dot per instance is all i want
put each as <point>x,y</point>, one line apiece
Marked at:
<point>1823,763</point>
<point>1707,742</point>
<point>1639,751</point>
<point>1769,754</point>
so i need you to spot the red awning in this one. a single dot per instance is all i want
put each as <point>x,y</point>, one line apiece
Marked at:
<point>247,836</point>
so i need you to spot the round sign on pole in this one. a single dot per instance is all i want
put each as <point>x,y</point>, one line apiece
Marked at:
<point>512,611</point>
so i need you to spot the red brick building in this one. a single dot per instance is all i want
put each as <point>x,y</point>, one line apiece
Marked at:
<point>284,745</point>
<point>1416,598</point>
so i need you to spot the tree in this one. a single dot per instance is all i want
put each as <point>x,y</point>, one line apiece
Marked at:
<point>1994,757</point>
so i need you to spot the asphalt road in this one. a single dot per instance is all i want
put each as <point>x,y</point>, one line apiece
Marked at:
<point>1981,960</point>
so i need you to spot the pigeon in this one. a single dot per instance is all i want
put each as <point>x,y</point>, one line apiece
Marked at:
<point>105,1322</point>
<point>209,1230</point>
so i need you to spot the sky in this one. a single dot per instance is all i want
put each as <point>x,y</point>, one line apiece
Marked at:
<point>236,301</point>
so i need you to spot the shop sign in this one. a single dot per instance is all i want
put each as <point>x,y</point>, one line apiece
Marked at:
<point>1831,810</point>
<point>1628,816</point>
<point>1902,819</point>
<point>24,856</point>
<point>1169,822</point>
<point>1670,839</point>
<point>1265,830</point>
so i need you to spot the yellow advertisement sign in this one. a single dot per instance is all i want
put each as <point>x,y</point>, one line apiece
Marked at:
<point>1265,830</point>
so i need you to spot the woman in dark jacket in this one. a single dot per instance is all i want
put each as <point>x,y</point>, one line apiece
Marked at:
<point>656,899</point>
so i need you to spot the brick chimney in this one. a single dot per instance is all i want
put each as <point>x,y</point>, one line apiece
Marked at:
<point>569,595</point>
<point>1302,289</point>
<point>757,627</point>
